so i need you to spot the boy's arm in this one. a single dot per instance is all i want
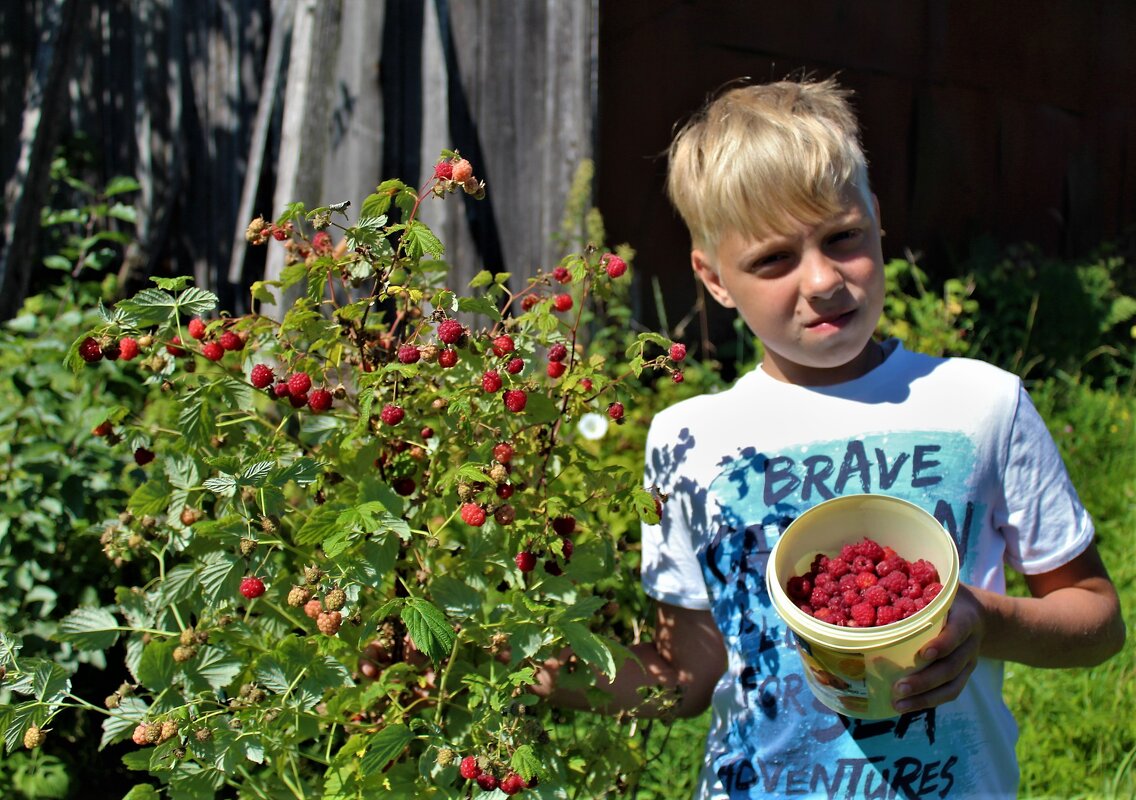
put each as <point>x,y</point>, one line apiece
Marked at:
<point>687,654</point>
<point>1072,619</point>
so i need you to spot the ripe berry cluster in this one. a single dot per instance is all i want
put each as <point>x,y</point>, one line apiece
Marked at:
<point>864,586</point>
<point>511,784</point>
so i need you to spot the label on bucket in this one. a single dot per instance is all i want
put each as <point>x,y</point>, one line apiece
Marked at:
<point>839,680</point>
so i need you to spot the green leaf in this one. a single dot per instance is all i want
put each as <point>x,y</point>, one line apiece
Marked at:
<point>121,722</point>
<point>222,485</point>
<point>212,668</point>
<point>256,474</point>
<point>589,647</point>
<point>428,628</point>
<point>384,747</point>
<point>479,305</point>
<point>150,499</point>
<point>481,279</point>
<point>221,576</point>
<point>156,669</point>
<point>457,597</point>
<point>261,294</point>
<point>196,302</point>
<point>236,394</point>
<point>524,762</point>
<point>89,629</point>
<point>121,184</point>
<point>319,525</point>
<point>57,262</point>
<point>142,791</point>
<point>303,471</point>
<point>419,240</point>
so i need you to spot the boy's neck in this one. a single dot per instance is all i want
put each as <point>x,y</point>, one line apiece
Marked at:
<point>788,372</point>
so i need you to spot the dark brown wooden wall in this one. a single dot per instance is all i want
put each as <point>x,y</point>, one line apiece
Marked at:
<point>1014,119</point>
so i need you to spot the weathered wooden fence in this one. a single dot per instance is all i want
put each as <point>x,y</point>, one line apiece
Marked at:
<point>224,109</point>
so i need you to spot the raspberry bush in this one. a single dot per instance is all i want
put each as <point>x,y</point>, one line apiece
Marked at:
<point>353,532</point>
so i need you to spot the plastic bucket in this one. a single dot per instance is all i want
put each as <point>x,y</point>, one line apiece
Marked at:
<point>852,670</point>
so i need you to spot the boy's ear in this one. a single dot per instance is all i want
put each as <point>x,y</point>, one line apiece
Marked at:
<point>706,273</point>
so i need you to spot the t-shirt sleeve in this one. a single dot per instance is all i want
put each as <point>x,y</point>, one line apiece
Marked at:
<point>1045,525</point>
<point>671,572</point>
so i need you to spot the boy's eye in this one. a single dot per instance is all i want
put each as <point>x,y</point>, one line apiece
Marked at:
<point>850,235</point>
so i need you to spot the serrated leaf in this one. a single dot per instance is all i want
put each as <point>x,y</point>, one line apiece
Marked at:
<point>481,279</point>
<point>156,668</point>
<point>142,791</point>
<point>89,629</point>
<point>428,628</point>
<point>319,525</point>
<point>196,302</point>
<point>457,597</point>
<point>524,762</point>
<point>191,420</point>
<point>589,647</point>
<point>303,471</point>
<point>181,471</point>
<point>582,609</point>
<point>149,307</point>
<point>260,292</point>
<point>479,305</point>
<point>236,394</point>
<point>120,184</point>
<point>222,485</point>
<point>255,474</point>
<point>221,577</point>
<point>180,584</point>
<point>212,668</point>
<point>384,747</point>
<point>150,499</point>
<point>16,721</point>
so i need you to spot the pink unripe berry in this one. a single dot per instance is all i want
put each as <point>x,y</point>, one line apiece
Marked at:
<point>677,376</point>
<point>503,452</point>
<point>614,265</point>
<point>677,351</point>
<point>444,170</point>
<point>562,302</point>
<point>128,348</point>
<point>462,171</point>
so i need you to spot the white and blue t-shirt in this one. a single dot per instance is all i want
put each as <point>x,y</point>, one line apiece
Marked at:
<point>958,437</point>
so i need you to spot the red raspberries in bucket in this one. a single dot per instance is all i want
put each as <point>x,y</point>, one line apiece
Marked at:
<point>864,585</point>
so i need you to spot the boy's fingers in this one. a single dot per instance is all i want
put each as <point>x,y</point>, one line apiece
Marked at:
<point>937,683</point>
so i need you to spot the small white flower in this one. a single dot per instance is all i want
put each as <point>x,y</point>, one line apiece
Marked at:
<point>592,426</point>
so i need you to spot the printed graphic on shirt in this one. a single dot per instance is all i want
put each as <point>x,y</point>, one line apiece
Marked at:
<point>779,739</point>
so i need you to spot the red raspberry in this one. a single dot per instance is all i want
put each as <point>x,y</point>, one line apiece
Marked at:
<point>213,351</point>
<point>329,622</point>
<point>173,347</point>
<point>473,514</point>
<point>450,331</point>
<point>819,597</point>
<point>512,784</point>
<point>90,351</point>
<point>321,243</point>
<point>886,615</point>
<point>503,452</point>
<point>529,301</point>
<point>143,456</point>
<point>515,365</point>
<point>281,389</point>
<point>444,170</point>
<point>877,595</point>
<point>848,581</point>
<point>931,591</point>
<point>261,376</point>
<point>586,384</point>
<point>556,368</point>
<point>561,275</point>
<point>864,615</point>
<point>850,597</point>
<point>615,411</point>
<point>491,381</point>
<point>567,547</point>
<point>515,400</point>
<point>299,383</point>
<point>826,614</point>
<point>677,351</point>
<point>487,781</point>
<point>614,265</point>
<point>279,234</point>
<point>894,582</point>
<point>196,328</point>
<point>469,769</point>
<point>252,587</point>
<point>320,400</point>
<point>231,341</point>
<point>924,572</point>
<point>526,561</point>
<point>905,606</point>
<point>565,525</point>
<point>447,358</point>
<point>391,414</point>
<point>799,588</point>
<point>890,564</point>
<point>914,590</point>
<point>562,302</point>
<point>128,348</point>
<point>825,581</point>
<point>558,352</point>
<point>677,377</point>
<point>408,354</point>
<point>503,345</point>
<point>427,432</point>
<point>866,579</point>
<point>871,550</point>
<point>462,171</point>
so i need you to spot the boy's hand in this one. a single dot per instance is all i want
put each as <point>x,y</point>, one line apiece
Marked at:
<point>953,655</point>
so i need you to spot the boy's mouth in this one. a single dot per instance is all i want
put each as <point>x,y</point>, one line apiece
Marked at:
<point>835,320</point>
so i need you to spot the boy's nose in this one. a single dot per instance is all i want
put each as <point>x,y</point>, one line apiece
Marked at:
<point>821,277</point>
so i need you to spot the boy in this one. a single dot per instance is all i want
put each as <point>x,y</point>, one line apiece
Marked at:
<point>772,183</point>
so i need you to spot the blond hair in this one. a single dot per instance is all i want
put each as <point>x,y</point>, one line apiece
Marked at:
<point>759,157</point>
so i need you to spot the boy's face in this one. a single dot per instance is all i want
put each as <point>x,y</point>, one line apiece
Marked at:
<point>812,297</point>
